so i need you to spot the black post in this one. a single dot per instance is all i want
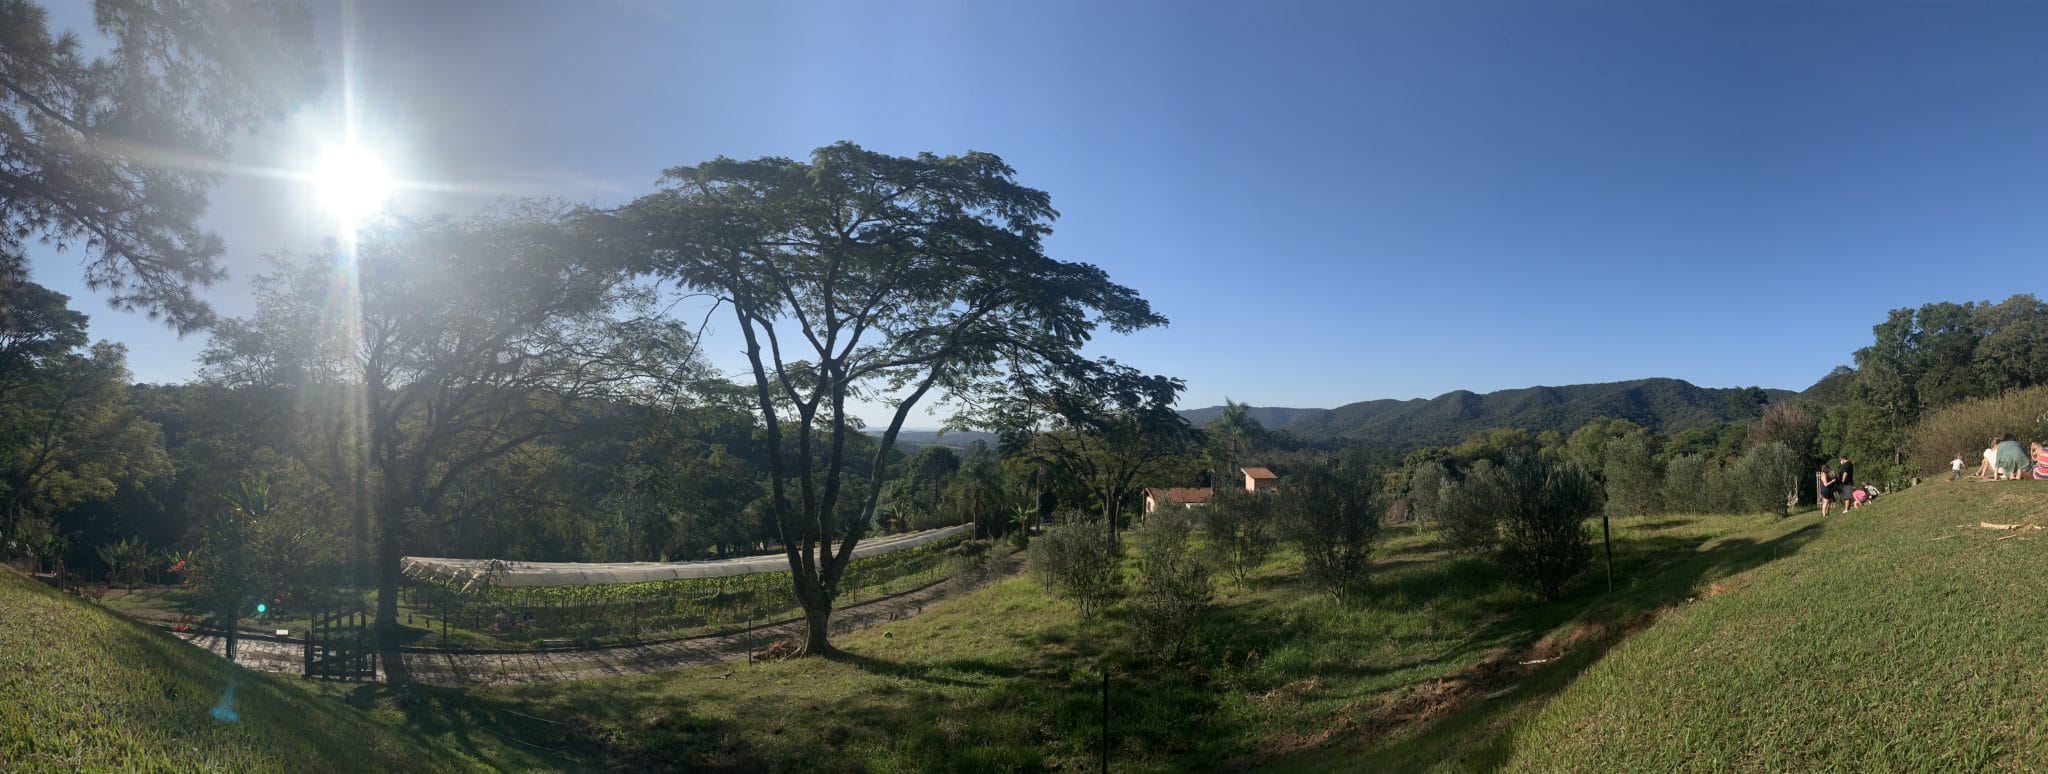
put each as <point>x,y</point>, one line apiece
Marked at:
<point>1105,719</point>
<point>1607,543</point>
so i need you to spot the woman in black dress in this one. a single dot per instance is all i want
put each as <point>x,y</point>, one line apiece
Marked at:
<point>1824,483</point>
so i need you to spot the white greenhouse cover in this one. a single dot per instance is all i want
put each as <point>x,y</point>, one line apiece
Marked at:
<point>501,572</point>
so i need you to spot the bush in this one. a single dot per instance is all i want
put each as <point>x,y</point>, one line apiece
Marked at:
<point>1080,561</point>
<point>1965,427</point>
<point>1630,467</point>
<point>1685,485</point>
<point>1333,518</point>
<point>967,564</point>
<point>1425,485</point>
<point>1465,511</point>
<point>1240,526</point>
<point>1543,509</point>
<point>1174,589</point>
<point>1770,478</point>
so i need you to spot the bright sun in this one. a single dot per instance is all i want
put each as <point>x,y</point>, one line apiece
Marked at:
<point>351,182</point>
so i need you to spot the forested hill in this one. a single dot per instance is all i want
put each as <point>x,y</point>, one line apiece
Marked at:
<point>1267,416</point>
<point>1659,404</point>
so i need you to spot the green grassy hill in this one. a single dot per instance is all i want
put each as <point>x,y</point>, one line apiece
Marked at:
<point>1901,637</point>
<point>84,690</point>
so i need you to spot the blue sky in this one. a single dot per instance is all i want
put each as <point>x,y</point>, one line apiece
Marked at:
<point>1332,202</point>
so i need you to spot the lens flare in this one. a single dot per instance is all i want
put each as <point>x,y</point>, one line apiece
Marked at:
<point>352,183</point>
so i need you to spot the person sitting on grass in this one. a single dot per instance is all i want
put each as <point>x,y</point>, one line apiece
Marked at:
<point>1988,471</point>
<point>2013,461</point>
<point>2040,461</point>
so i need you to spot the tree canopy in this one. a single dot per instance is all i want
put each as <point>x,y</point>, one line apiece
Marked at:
<point>860,274</point>
<point>114,153</point>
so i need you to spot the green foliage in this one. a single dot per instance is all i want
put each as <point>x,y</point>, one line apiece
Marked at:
<point>1425,486</point>
<point>1769,478</point>
<point>1633,481</point>
<point>1241,531</point>
<point>1965,428</point>
<point>1173,588</point>
<point>967,564</point>
<point>1686,488</point>
<point>86,137</point>
<point>1466,514</point>
<point>1332,516</point>
<point>1542,510</point>
<point>856,273</point>
<point>67,433</point>
<point>1080,561</point>
<point>126,561</point>
<point>1663,405</point>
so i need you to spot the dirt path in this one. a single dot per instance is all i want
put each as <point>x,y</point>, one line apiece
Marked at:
<point>460,668</point>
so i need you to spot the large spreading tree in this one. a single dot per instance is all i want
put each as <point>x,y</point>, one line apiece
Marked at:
<point>859,275</point>
<point>113,154</point>
<point>435,349</point>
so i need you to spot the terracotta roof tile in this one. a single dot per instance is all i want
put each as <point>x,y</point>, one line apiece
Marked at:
<point>1184,495</point>
<point>1259,473</point>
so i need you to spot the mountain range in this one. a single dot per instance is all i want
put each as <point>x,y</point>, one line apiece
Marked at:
<point>1665,405</point>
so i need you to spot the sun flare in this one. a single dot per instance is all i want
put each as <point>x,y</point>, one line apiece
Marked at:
<point>351,183</point>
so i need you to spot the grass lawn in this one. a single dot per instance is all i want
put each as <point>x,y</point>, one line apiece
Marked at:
<point>1008,678</point>
<point>82,689</point>
<point>1906,638</point>
<point>1898,637</point>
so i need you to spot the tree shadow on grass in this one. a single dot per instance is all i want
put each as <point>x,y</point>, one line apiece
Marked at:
<point>1479,734</point>
<point>925,672</point>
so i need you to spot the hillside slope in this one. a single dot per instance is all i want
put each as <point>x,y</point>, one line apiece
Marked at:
<point>1659,404</point>
<point>84,690</point>
<point>1903,636</point>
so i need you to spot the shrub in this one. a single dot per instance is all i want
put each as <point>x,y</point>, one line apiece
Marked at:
<point>1465,511</point>
<point>1630,467</point>
<point>1173,591</point>
<point>1964,427</point>
<point>1685,485</point>
<point>1770,477</point>
<point>1543,509</point>
<point>1333,518</point>
<point>125,561</point>
<point>1240,526</point>
<point>1425,484</point>
<point>967,564</point>
<point>1079,561</point>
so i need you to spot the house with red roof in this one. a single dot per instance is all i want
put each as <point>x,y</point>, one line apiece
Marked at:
<point>1255,480</point>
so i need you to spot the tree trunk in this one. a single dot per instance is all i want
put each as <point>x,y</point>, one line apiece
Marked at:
<point>360,572</point>
<point>387,579</point>
<point>818,630</point>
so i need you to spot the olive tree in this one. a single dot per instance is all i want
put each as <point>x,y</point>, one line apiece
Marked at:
<point>1542,511</point>
<point>858,274</point>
